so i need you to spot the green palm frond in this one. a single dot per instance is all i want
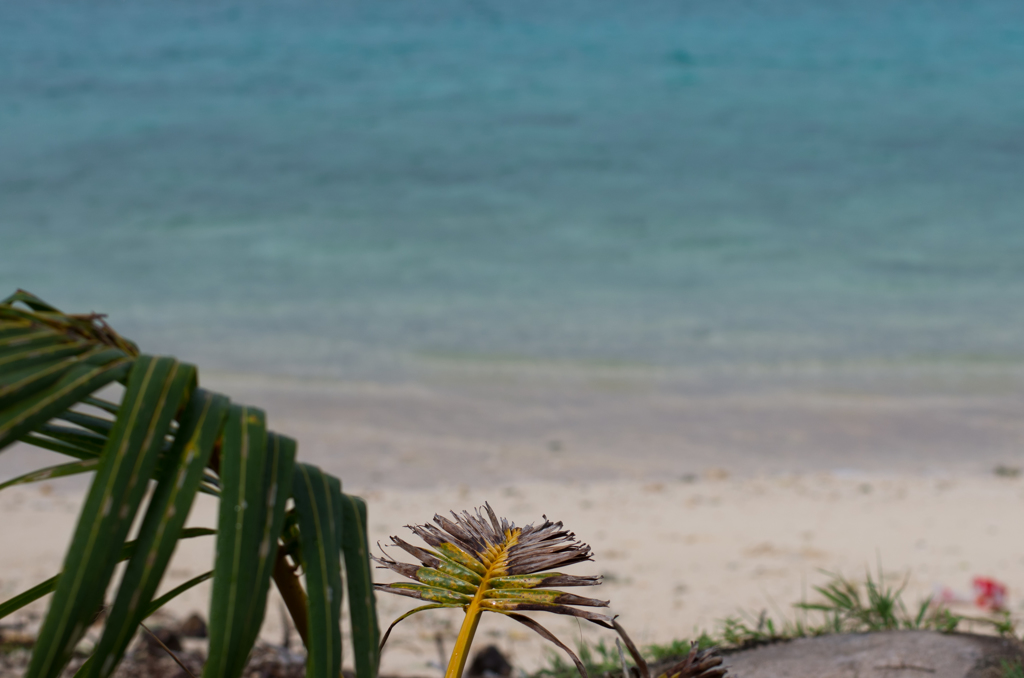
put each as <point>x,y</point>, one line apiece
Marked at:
<point>483,563</point>
<point>151,452</point>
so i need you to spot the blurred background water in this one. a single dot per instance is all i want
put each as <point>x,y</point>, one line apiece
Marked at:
<point>345,188</point>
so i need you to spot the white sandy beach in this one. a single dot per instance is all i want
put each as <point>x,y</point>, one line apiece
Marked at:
<point>701,498</point>
<point>676,556</point>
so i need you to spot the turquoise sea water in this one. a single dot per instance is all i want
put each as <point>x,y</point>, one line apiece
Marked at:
<point>345,188</point>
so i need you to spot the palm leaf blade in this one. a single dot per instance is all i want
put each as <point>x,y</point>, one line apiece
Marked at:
<point>362,607</point>
<point>156,387</point>
<point>547,635</point>
<point>90,422</point>
<point>177,591</point>
<point>52,472</point>
<point>34,348</point>
<point>39,590</point>
<point>276,488</point>
<point>26,597</point>
<point>13,328</point>
<point>87,439</point>
<point>317,503</point>
<point>26,379</point>
<point>240,523</point>
<point>165,517</point>
<point>30,300</point>
<point>81,380</point>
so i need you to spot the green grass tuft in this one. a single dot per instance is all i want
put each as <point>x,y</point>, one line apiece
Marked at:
<point>1014,669</point>
<point>599,659</point>
<point>677,648</point>
<point>846,607</point>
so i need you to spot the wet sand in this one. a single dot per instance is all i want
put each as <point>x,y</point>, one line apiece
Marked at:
<point>467,423</point>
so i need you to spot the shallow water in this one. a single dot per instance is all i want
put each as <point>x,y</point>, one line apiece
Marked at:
<point>356,189</point>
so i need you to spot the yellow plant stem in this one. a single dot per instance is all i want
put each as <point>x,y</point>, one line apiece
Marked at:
<point>495,562</point>
<point>457,664</point>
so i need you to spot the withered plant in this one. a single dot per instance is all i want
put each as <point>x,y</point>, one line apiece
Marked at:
<point>482,563</point>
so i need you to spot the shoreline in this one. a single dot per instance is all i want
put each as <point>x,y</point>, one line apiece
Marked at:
<point>455,424</point>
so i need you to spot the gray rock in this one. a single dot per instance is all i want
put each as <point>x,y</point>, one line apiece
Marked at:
<point>896,654</point>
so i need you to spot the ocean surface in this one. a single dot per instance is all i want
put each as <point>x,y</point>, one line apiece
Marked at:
<point>351,189</point>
